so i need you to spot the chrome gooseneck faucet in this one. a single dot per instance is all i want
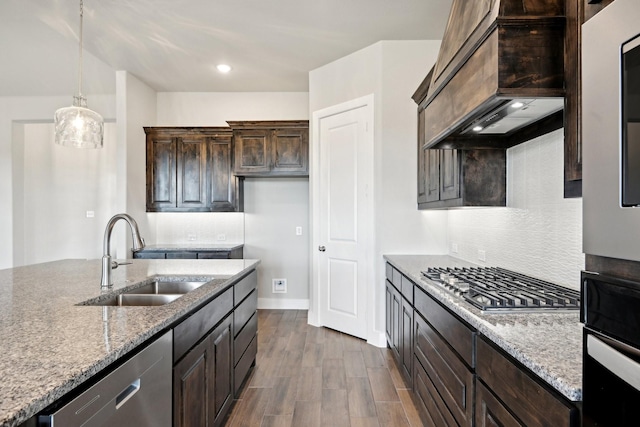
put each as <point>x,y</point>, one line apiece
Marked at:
<point>138,243</point>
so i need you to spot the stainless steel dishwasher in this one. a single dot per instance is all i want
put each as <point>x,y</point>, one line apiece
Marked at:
<point>136,393</point>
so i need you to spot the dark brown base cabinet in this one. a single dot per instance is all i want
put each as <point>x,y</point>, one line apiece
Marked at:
<point>236,253</point>
<point>203,380</point>
<point>459,377</point>
<point>399,322</point>
<point>206,347</point>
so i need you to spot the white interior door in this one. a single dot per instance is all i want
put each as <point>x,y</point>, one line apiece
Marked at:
<point>344,219</point>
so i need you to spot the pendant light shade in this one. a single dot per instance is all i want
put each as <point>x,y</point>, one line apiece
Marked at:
<point>78,126</point>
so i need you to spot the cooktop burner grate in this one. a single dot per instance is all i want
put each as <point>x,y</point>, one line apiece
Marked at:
<point>495,289</point>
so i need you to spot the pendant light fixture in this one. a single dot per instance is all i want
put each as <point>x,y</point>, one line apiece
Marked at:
<point>78,126</point>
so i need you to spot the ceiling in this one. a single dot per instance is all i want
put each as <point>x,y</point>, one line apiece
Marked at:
<point>174,45</point>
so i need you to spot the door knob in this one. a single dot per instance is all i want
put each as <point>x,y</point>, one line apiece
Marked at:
<point>321,248</point>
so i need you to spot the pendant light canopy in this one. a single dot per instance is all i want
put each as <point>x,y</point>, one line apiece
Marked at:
<point>78,126</point>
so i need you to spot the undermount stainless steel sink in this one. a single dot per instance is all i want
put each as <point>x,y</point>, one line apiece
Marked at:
<point>128,300</point>
<point>160,291</point>
<point>166,287</point>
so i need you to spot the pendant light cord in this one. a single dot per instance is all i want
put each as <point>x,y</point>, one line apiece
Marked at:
<point>80,53</point>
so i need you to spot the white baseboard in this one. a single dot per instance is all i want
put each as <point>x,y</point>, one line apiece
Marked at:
<point>283,304</point>
<point>377,339</point>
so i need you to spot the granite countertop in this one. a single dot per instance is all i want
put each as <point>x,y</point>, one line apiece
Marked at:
<point>50,345</point>
<point>550,344</point>
<point>160,247</point>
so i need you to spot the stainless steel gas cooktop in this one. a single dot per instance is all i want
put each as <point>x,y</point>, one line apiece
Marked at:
<point>496,290</point>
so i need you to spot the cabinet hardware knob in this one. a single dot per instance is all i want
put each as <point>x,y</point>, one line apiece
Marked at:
<point>322,248</point>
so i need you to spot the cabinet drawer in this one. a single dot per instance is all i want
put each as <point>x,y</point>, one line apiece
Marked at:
<point>407,289</point>
<point>490,411</point>
<point>456,333</point>
<point>449,375</point>
<point>388,271</point>
<point>432,409</point>
<point>396,279</point>
<point>242,368</point>
<point>195,327</point>
<point>182,255</point>
<point>244,311</point>
<point>213,255</point>
<point>149,255</point>
<point>532,403</point>
<point>244,287</point>
<point>243,339</point>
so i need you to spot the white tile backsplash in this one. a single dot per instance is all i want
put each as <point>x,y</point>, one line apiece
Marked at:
<point>540,232</point>
<point>199,227</point>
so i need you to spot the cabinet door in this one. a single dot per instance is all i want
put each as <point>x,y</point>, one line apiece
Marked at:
<point>203,380</point>
<point>222,368</point>
<point>161,172</point>
<point>290,151</point>
<point>191,380</point>
<point>389,313</point>
<point>252,151</point>
<point>490,412</point>
<point>192,173</point>
<point>449,174</point>
<point>406,339</point>
<point>422,159</point>
<point>432,175</point>
<point>396,315</point>
<point>222,183</point>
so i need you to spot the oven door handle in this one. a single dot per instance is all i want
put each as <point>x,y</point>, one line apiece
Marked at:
<point>622,366</point>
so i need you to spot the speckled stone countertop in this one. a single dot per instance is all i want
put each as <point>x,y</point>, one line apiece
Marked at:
<point>193,247</point>
<point>49,344</point>
<point>550,344</point>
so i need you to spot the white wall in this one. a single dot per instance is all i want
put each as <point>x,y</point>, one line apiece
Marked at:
<point>18,111</point>
<point>136,109</point>
<point>273,208</point>
<point>271,205</point>
<point>540,232</point>
<point>391,71</point>
<point>58,186</point>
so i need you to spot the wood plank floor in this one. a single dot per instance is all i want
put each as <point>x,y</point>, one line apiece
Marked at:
<point>307,376</point>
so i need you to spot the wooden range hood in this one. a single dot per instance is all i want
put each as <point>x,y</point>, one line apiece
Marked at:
<point>495,52</point>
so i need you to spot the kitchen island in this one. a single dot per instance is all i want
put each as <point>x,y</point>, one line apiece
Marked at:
<point>50,345</point>
<point>541,349</point>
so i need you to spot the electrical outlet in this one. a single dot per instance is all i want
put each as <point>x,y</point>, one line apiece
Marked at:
<point>279,286</point>
<point>192,237</point>
<point>482,255</point>
<point>298,231</point>
<point>454,248</point>
<point>221,237</point>
<point>91,214</point>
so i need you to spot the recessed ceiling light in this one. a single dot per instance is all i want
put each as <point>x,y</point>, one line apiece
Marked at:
<point>223,68</point>
<point>517,105</point>
<point>477,128</point>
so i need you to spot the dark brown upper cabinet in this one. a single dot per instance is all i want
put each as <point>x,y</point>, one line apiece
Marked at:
<point>495,53</point>
<point>190,170</point>
<point>271,148</point>
<point>458,177</point>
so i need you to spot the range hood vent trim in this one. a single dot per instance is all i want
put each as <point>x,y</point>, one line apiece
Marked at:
<point>512,56</point>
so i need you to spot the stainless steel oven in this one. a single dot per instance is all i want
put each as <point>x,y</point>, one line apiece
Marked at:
<point>611,359</point>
